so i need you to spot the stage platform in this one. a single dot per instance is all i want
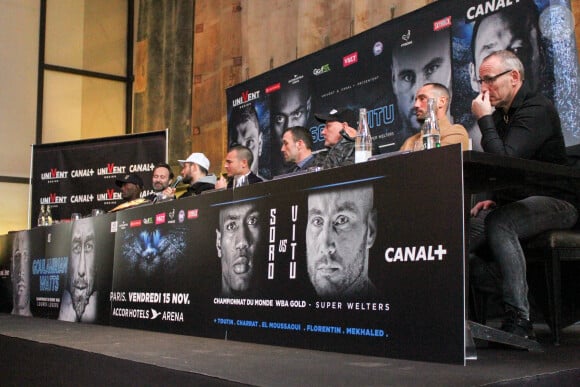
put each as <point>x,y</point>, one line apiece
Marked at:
<point>36,351</point>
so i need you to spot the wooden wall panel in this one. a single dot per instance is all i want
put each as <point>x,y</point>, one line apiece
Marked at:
<point>269,34</point>
<point>371,13</point>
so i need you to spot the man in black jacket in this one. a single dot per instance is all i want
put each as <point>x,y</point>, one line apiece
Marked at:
<point>237,166</point>
<point>523,124</point>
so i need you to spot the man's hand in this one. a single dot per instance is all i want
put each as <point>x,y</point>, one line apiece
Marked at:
<point>481,106</point>
<point>483,205</point>
<point>169,192</point>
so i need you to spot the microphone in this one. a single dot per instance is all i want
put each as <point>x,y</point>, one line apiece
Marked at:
<point>178,180</point>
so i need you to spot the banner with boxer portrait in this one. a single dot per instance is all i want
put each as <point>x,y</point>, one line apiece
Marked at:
<point>382,68</point>
<point>356,262</point>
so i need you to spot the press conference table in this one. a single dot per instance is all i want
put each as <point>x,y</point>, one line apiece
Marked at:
<point>432,329</point>
<point>487,171</point>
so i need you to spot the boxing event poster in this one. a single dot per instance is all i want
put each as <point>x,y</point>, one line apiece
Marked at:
<point>341,264</point>
<point>32,288</point>
<point>5,283</point>
<point>63,271</point>
<point>79,176</point>
<point>381,69</point>
<point>164,266</point>
<point>88,247</point>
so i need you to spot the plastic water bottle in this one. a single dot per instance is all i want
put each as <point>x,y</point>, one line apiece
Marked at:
<point>363,145</point>
<point>48,216</point>
<point>431,134</point>
<point>41,216</point>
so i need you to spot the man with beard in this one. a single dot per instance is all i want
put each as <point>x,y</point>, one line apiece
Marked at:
<point>21,274</point>
<point>450,134</point>
<point>160,181</point>
<point>79,299</point>
<point>342,227</point>
<point>195,173</point>
<point>237,240</point>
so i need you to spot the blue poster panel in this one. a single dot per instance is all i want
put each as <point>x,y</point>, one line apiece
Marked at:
<point>357,262</point>
<point>382,68</point>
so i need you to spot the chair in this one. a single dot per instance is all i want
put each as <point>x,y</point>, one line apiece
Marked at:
<point>550,250</point>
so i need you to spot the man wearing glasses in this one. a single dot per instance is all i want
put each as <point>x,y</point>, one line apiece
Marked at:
<point>514,28</point>
<point>525,124</point>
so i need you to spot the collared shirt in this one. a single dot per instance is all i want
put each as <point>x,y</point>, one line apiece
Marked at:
<point>304,163</point>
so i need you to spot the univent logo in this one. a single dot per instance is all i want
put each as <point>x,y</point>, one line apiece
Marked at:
<point>54,174</point>
<point>109,195</point>
<point>246,97</point>
<point>111,169</point>
<point>53,198</point>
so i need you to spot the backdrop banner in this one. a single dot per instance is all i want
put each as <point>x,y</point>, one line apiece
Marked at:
<point>382,68</point>
<point>79,176</point>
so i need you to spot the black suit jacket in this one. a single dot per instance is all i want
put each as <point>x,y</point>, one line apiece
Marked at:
<point>252,178</point>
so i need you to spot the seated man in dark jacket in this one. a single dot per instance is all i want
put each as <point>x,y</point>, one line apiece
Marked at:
<point>339,134</point>
<point>195,173</point>
<point>523,124</point>
<point>237,166</point>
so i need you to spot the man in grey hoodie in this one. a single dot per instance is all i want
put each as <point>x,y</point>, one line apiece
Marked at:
<point>195,172</point>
